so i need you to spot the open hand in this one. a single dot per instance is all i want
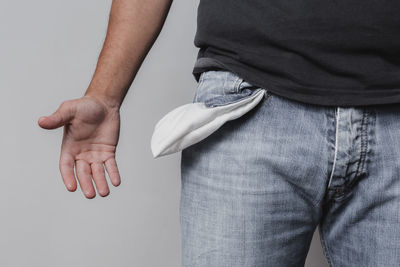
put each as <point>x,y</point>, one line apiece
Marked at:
<point>91,132</point>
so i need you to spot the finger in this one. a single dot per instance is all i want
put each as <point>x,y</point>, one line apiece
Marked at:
<point>60,117</point>
<point>67,171</point>
<point>99,178</point>
<point>83,171</point>
<point>112,170</point>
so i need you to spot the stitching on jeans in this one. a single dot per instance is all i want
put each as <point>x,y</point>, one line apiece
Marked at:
<point>364,144</point>
<point>361,145</point>
<point>371,122</point>
<point>336,145</point>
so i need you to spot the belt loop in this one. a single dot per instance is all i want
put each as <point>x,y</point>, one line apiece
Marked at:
<point>238,82</point>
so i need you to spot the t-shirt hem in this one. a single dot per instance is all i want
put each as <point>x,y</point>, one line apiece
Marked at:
<point>313,97</point>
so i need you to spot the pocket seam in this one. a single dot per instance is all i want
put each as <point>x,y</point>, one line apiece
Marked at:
<point>209,103</point>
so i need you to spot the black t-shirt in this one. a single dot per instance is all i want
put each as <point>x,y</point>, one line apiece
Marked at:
<point>337,52</point>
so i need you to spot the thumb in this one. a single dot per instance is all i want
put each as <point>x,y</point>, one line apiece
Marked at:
<point>63,115</point>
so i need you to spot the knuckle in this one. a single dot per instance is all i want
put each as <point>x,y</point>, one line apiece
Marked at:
<point>64,104</point>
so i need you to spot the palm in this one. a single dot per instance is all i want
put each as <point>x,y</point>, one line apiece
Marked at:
<point>92,135</point>
<point>89,141</point>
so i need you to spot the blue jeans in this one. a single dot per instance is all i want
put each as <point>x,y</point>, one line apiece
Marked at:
<point>254,191</point>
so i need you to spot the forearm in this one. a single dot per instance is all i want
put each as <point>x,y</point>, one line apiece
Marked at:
<point>133,27</point>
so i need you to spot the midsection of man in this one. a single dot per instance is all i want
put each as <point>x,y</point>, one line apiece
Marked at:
<point>321,52</point>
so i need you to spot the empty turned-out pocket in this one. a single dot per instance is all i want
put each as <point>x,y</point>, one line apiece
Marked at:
<point>190,123</point>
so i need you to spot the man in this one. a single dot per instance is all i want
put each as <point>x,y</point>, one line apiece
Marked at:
<point>322,148</point>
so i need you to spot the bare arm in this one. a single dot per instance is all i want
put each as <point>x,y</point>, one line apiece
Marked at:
<point>133,27</point>
<point>92,122</point>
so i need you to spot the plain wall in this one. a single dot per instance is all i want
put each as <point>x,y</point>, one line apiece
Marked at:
<point>48,53</point>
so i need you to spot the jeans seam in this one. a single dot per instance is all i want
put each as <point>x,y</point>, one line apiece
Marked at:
<point>235,100</point>
<point>364,143</point>
<point>336,146</point>
<point>363,149</point>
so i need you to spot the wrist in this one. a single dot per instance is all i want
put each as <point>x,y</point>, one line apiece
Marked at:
<point>110,102</point>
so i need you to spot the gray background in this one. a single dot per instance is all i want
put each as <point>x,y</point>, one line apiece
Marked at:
<point>48,52</point>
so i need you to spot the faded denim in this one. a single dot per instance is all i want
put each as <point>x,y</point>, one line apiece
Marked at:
<point>254,191</point>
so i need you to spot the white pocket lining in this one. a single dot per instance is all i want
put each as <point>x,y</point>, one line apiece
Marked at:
<point>190,123</point>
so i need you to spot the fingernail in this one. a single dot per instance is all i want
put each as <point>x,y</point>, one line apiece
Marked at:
<point>41,118</point>
<point>105,193</point>
<point>89,195</point>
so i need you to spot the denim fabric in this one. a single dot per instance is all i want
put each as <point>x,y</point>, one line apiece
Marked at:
<point>254,191</point>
